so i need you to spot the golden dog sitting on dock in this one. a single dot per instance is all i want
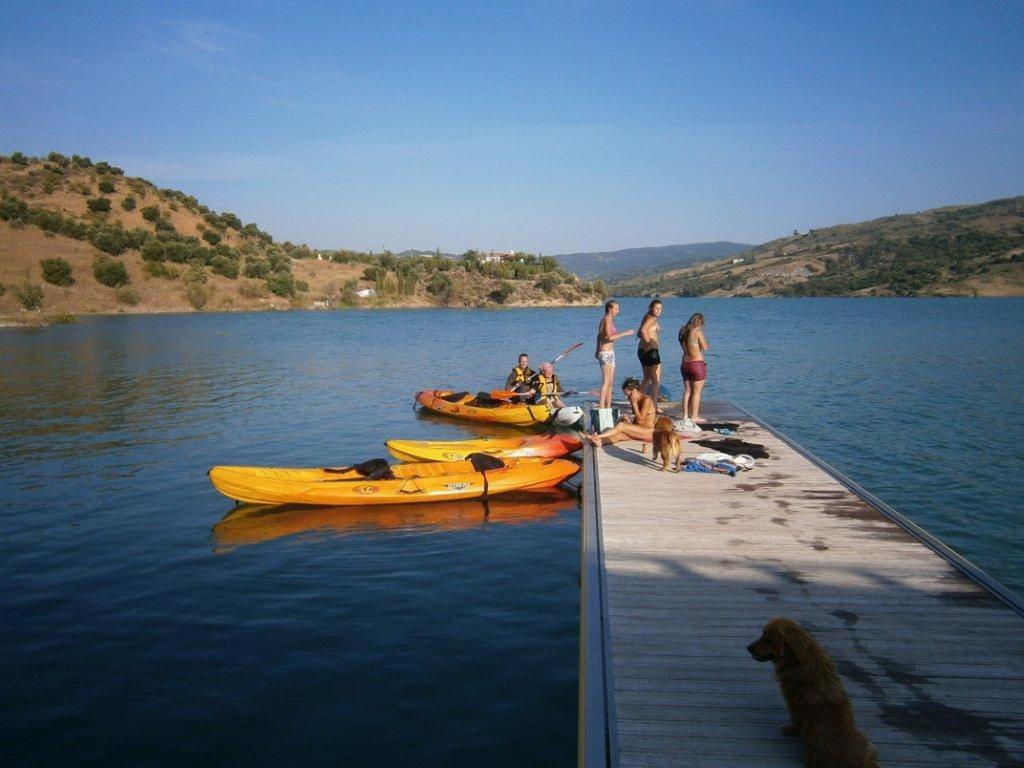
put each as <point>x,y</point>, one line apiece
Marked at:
<point>819,709</point>
<point>667,443</point>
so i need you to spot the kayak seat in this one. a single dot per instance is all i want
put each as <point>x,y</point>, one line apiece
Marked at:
<point>454,397</point>
<point>484,400</point>
<point>375,469</point>
<point>483,462</point>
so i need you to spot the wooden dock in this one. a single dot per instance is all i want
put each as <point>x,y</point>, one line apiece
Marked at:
<point>680,571</point>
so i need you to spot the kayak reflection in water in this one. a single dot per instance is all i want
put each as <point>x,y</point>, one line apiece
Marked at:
<point>254,524</point>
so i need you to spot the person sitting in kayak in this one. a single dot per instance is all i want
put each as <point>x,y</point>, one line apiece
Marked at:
<point>547,387</point>
<point>521,379</point>
<point>521,374</point>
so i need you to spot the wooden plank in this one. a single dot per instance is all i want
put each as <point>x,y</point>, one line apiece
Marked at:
<point>694,564</point>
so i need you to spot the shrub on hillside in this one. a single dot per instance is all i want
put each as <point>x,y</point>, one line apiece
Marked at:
<point>151,213</point>
<point>185,250</point>
<point>81,162</point>
<point>302,286</point>
<point>29,294</point>
<point>159,269</point>
<point>106,186</point>
<point>57,271</point>
<point>281,283</point>
<point>224,265</point>
<point>112,240</point>
<point>98,204</point>
<point>59,159</point>
<point>128,203</point>
<point>127,295</point>
<point>503,293</point>
<point>13,208</point>
<point>279,262</point>
<point>154,250</point>
<point>440,286</point>
<point>256,267</point>
<point>198,294</point>
<point>104,167</point>
<point>109,272</point>
<point>196,274</point>
<point>18,158</point>
<point>211,237</point>
<point>548,282</point>
<point>252,289</point>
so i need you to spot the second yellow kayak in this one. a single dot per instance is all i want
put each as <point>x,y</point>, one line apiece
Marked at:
<point>542,446</point>
<point>463,405</point>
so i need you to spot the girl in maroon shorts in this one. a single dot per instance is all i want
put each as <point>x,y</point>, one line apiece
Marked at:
<point>694,367</point>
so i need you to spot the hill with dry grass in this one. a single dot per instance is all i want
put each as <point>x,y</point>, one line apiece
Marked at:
<point>964,250</point>
<point>81,236</point>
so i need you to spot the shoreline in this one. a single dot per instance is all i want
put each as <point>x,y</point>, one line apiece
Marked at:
<point>27,319</point>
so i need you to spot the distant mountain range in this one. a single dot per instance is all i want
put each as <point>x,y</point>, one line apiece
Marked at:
<point>961,250</point>
<point>633,262</point>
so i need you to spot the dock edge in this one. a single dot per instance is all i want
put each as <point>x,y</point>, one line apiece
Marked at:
<point>597,738</point>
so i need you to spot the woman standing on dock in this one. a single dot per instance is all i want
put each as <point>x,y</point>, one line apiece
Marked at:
<point>693,368</point>
<point>607,335</point>
<point>650,357</point>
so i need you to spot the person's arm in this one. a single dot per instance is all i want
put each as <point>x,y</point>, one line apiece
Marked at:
<point>511,380</point>
<point>622,335</point>
<point>702,342</point>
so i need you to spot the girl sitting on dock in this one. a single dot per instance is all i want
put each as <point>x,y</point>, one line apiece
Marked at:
<point>642,426</point>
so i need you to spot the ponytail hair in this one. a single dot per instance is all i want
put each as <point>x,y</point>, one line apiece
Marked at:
<point>609,304</point>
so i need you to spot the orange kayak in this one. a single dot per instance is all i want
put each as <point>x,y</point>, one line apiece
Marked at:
<point>544,446</point>
<point>464,405</point>
<point>399,484</point>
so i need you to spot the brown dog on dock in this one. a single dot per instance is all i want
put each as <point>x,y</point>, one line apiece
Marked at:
<point>819,709</point>
<point>667,443</point>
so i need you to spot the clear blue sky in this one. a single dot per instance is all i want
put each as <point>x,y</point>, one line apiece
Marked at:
<point>544,126</point>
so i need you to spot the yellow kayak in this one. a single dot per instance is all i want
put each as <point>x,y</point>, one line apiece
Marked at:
<point>544,446</point>
<point>463,405</point>
<point>397,484</point>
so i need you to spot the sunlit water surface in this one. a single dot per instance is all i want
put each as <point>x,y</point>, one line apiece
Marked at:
<point>137,631</point>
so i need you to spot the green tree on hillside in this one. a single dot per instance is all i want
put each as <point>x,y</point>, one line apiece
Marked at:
<point>56,271</point>
<point>109,272</point>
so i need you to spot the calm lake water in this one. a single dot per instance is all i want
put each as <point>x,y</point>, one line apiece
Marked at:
<point>135,630</point>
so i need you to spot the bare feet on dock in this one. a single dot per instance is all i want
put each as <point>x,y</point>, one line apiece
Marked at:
<point>594,440</point>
